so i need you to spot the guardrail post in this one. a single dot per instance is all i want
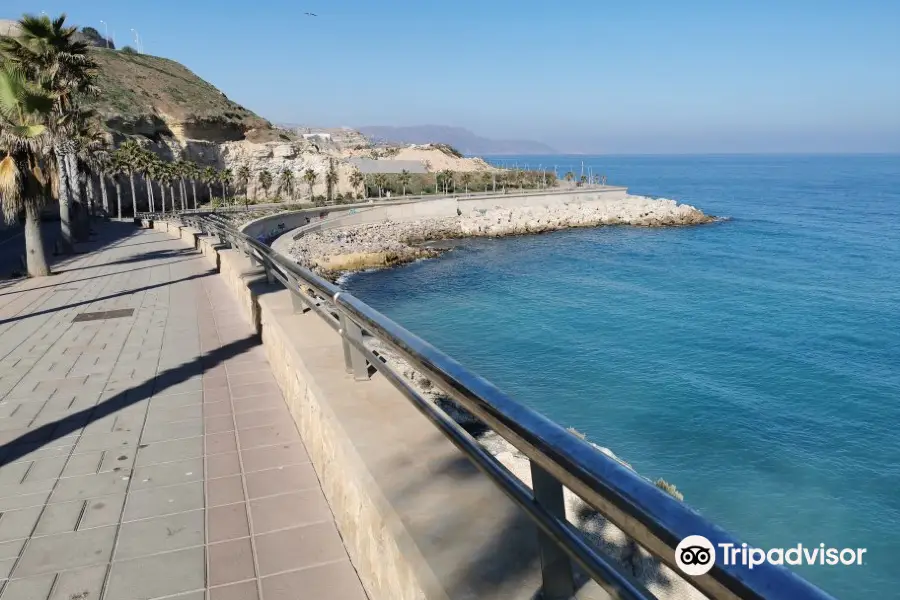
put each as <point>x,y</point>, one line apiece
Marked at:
<point>354,360</point>
<point>556,568</point>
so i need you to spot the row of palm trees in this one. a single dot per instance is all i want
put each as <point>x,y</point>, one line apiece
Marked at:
<point>48,139</point>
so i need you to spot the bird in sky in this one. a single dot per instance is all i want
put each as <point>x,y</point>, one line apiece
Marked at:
<point>309,14</point>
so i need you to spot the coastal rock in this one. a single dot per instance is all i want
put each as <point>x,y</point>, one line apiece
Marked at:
<point>335,251</point>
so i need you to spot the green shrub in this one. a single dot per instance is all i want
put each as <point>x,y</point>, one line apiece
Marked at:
<point>128,50</point>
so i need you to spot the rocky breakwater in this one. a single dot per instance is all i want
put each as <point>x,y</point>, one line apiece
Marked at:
<point>335,251</point>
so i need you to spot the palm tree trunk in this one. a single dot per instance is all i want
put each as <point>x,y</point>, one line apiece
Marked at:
<point>209,189</point>
<point>91,194</point>
<point>118,195</point>
<point>151,205</point>
<point>183,191</point>
<point>224,192</point>
<point>65,218</point>
<point>194,192</point>
<point>133,196</point>
<point>172,195</point>
<point>35,259</point>
<point>103,195</point>
<point>162,189</point>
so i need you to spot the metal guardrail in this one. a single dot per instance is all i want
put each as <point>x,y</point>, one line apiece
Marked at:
<point>646,514</point>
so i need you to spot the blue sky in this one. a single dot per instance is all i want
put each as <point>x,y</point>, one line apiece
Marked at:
<point>583,75</point>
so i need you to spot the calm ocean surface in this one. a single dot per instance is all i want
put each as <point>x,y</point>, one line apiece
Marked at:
<point>754,363</point>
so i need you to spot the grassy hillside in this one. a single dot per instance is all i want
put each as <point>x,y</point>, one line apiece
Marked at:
<point>152,96</point>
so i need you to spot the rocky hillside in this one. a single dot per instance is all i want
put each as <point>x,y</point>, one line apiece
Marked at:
<point>160,98</point>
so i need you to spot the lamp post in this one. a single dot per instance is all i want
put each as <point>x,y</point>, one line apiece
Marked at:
<point>105,33</point>
<point>137,41</point>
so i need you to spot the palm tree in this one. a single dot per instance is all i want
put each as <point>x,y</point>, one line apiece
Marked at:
<point>243,178</point>
<point>356,179</point>
<point>102,162</point>
<point>209,176</point>
<point>466,177</point>
<point>583,179</point>
<point>569,176</point>
<point>145,161</point>
<point>286,183</point>
<point>380,182</point>
<point>180,167</point>
<point>226,176</point>
<point>129,158</point>
<point>265,181</point>
<point>446,177</point>
<point>117,167</point>
<point>46,50</point>
<point>403,179</point>
<point>310,177</point>
<point>331,180</point>
<point>192,172</point>
<point>24,139</point>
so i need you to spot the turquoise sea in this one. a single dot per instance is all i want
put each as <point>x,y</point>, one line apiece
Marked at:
<point>755,363</point>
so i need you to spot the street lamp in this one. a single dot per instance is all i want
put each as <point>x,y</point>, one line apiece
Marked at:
<point>105,33</point>
<point>137,41</point>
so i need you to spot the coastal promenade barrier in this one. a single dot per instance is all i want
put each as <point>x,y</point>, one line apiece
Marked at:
<point>355,420</point>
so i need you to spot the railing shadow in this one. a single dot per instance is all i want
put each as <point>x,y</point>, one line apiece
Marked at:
<point>45,434</point>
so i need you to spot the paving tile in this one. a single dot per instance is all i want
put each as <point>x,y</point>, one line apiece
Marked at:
<point>254,377</point>
<point>297,548</point>
<point>159,432</point>
<point>217,409</point>
<point>107,441</point>
<point>90,486</point>
<point>269,457</point>
<point>335,581</point>
<point>289,510</point>
<point>22,489</point>
<point>236,591</point>
<point>155,502</point>
<point>255,389</point>
<point>18,524</point>
<point>87,463</point>
<point>261,418</point>
<point>162,534</point>
<point>216,395</point>
<point>218,424</point>
<point>265,402</point>
<point>227,522</point>
<point>268,435</point>
<point>226,490</point>
<point>230,562</point>
<point>172,415</point>
<point>15,502</point>
<point>6,567</point>
<point>218,443</point>
<point>173,473</point>
<point>162,452</point>
<point>222,465</point>
<point>66,551</point>
<point>178,400</point>
<point>78,584</point>
<point>157,576</point>
<point>11,549</point>
<point>281,480</point>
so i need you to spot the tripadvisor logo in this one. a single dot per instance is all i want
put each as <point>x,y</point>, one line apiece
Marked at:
<point>696,555</point>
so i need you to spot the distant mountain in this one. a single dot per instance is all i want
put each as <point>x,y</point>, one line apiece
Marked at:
<point>462,139</point>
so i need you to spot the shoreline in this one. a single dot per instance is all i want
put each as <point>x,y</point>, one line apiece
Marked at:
<point>340,251</point>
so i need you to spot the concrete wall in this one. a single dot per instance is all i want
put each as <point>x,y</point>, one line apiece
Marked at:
<point>419,521</point>
<point>310,220</point>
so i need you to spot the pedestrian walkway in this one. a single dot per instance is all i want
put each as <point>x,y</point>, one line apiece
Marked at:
<point>145,448</point>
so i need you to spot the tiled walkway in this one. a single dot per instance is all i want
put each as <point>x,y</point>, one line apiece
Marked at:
<point>151,455</point>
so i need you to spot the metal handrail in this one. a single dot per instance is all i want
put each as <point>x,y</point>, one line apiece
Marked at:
<point>649,516</point>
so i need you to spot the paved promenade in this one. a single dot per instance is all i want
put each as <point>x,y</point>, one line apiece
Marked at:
<point>145,449</point>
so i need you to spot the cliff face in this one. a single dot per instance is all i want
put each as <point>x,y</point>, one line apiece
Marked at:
<point>175,113</point>
<point>159,98</point>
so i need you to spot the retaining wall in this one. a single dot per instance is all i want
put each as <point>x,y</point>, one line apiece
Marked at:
<point>419,521</point>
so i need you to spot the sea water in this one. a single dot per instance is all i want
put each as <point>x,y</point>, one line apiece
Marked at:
<point>754,363</point>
